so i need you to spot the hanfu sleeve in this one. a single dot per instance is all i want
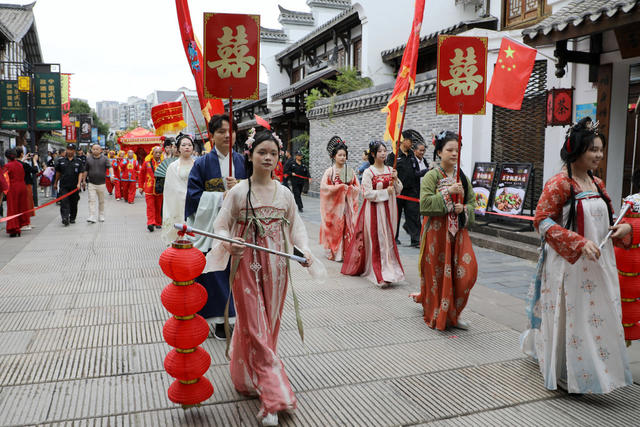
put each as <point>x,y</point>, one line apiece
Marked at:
<point>369,192</point>
<point>629,239</point>
<point>218,257</point>
<point>397,184</point>
<point>297,231</point>
<point>568,244</point>
<point>470,205</point>
<point>432,202</point>
<point>327,187</point>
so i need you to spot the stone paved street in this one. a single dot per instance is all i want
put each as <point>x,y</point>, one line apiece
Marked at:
<point>81,342</point>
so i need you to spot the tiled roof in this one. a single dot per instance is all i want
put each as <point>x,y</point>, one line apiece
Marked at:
<point>488,22</point>
<point>273,35</point>
<point>306,83</point>
<point>322,28</point>
<point>578,12</point>
<point>373,98</point>
<point>332,4</point>
<point>295,17</point>
<point>17,23</point>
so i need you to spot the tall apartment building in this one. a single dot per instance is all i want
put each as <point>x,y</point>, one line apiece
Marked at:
<point>109,113</point>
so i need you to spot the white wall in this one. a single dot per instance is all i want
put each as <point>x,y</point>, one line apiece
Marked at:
<point>385,27</point>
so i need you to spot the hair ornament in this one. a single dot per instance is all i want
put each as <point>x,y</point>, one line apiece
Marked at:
<point>251,138</point>
<point>276,138</point>
<point>333,142</point>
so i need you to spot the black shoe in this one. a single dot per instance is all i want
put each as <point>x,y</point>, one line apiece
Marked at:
<point>150,228</point>
<point>72,221</point>
<point>14,235</point>
<point>219,333</point>
<point>300,210</point>
<point>158,227</point>
<point>398,242</point>
<point>415,244</point>
<point>65,222</point>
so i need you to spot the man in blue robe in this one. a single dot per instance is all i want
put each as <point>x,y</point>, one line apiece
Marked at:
<point>209,179</point>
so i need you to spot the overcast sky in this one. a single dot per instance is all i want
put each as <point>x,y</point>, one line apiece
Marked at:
<point>121,48</point>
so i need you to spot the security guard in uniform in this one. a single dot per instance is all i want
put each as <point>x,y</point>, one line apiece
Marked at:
<point>70,174</point>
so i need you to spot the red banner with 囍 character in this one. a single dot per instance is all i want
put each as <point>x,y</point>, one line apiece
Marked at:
<point>462,75</point>
<point>231,55</point>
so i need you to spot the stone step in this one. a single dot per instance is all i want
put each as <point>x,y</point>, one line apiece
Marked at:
<point>511,247</point>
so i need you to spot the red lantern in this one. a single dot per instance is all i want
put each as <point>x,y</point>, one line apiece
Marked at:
<point>185,366</point>
<point>182,300</point>
<point>190,394</point>
<point>182,262</point>
<point>185,333</point>
<point>630,311</point>
<point>186,330</point>
<point>632,333</point>
<point>559,107</point>
<point>629,285</point>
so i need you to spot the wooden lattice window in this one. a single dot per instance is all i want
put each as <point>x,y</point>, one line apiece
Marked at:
<point>518,135</point>
<point>357,55</point>
<point>517,12</point>
<point>296,75</point>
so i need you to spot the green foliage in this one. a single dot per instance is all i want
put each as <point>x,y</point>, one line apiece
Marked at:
<point>81,107</point>
<point>347,81</point>
<point>302,139</point>
<point>310,100</point>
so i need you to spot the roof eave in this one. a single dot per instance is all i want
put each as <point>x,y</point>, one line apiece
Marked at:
<point>536,36</point>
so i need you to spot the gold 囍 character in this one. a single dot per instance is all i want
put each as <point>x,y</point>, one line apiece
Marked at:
<point>233,52</point>
<point>463,69</point>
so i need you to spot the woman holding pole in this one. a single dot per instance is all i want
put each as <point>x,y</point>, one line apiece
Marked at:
<point>448,267</point>
<point>260,211</point>
<point>575,330</point>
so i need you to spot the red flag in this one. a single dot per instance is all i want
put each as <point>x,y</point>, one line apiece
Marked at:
<point>193,51</point>
<point>511,74</point>
<point>406,79</point>
<point>262,122</point>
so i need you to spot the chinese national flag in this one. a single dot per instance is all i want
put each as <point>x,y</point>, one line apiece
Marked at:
<point>406,79</point>
<point>511,74</point>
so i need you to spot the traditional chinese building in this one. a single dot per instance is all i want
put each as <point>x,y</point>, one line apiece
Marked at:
<point>596,44</point>
<point>19,50</point>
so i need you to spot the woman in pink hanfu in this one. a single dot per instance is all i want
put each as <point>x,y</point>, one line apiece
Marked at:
<point>339,191</point>
<point>373,253</point>
<point>261,211</point>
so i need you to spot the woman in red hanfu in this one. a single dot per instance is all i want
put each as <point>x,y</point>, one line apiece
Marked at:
<point>448,266</point>
<point>17,196</point>
<point>575,329</point>
<point>373,253</point>
<point>339,191</point>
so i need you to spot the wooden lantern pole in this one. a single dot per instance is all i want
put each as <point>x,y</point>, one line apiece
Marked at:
<point>230,133</point>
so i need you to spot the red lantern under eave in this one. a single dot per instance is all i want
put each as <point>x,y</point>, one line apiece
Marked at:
<point>187,366</point>
<point>190,394</point>
<point>185,333</point>
<point>183,300</point>
<point>560,107</point>
<point>182,262</point>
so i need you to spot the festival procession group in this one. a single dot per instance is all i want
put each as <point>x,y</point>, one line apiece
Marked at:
<point>580,303</point>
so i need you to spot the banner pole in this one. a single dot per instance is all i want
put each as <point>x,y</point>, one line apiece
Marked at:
<point>193,116</point>
<point>230,133</point>
<point>404,111</point>
<point>458,197</point>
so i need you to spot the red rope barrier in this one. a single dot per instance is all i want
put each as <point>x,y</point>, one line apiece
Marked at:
<point>8,218</point>
<point>300,176</point>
